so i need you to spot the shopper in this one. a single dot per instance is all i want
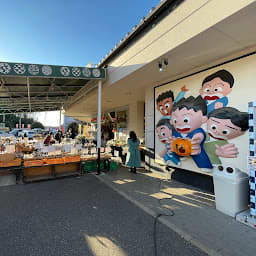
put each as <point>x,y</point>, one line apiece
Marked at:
<point>133,147</point>
<point>58,137</point>
<point>49,139</point>
<point>71,133</point>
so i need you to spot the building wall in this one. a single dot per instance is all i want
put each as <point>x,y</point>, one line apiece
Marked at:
<point>184,23</point>
<point>149,118</point>
<point>136,118</point>
<point>242,92</point>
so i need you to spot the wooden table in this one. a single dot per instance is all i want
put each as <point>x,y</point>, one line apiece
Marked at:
<point>50,171</point>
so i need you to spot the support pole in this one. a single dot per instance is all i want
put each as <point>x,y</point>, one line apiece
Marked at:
<point>60,120</point>
<point>29,103</point>
<point>99,124</point>
<point>20,122</point>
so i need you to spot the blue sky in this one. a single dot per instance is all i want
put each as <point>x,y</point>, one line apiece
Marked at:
<point>65,32</point>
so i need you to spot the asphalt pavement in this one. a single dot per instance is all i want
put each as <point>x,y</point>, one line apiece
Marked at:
<point>80,216</point>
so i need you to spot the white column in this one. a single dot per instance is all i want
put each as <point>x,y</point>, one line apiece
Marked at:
<point>60,120</point>
<point>149,118</point>
<point>20,121</point>
<point>99,116</point>
<point>28,86</point>
<point>136,118</point>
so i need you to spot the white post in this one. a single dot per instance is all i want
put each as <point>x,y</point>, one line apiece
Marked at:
<point>60,120</point>
<point>99,116</point>
<point>99,124</point>
<point>20,122</point>
<point>28,86</point>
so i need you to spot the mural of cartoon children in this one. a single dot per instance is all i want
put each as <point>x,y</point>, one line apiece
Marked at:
<point>215,89</point>
<point>224,124</point>
<point>166,100</point>
<point>188,115</point>
<point>164,130</point>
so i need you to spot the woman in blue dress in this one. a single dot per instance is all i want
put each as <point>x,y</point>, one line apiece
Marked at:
<point>133,145</point>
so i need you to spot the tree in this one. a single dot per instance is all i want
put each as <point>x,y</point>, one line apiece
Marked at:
<point>11,121</point>
<point>37,125</point>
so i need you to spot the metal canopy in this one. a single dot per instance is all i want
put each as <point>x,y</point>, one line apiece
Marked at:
<point>33,87</point>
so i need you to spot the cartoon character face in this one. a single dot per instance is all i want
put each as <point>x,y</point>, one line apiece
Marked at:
<point>164,133</point>
<point>186,121</point>
<point>222,129</point>
<point>215,89</point>
<point>165,106</point>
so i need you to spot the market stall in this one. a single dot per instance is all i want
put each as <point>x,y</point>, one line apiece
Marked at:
<point>37,88</point>
<point>32,160</point>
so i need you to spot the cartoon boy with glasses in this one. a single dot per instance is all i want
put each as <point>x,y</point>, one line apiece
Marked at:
<point>215,89</point>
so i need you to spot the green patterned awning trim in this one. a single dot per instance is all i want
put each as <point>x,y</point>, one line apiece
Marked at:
<point>51,71</point>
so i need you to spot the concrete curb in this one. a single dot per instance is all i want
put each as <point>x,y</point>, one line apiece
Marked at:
<point>165,222</point>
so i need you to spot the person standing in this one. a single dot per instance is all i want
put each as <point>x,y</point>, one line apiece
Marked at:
<point>58,137</point>
<point>49,139</point>
<point>133,147</point>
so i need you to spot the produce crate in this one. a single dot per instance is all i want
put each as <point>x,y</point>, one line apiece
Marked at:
<point>102,165</point>
<point>113,166</point>
<point>89,166</point>
<point>30,163</point>
<point>15,162</point>
<point>72,159</point>
<point>55,160</point>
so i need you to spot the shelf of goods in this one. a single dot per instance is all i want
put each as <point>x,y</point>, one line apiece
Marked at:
<point>51,168</point>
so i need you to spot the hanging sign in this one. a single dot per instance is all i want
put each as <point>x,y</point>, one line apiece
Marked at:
<point>53,71</point>
<point>84,130</point>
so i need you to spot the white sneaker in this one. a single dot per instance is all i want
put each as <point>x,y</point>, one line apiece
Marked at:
<point>206,169</point>
<point>171,163</point>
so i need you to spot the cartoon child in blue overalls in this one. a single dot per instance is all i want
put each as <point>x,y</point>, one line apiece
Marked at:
<point>164,130</point>
<point>188,115</point>
<point>215,89</point>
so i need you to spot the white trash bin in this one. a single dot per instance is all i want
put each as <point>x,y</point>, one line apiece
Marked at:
<point>231,188</point>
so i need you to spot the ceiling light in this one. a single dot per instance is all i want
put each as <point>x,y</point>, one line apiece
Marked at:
<point>160,66</point>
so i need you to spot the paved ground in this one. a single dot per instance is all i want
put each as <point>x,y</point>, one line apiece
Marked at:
<point>80,216</point>
<point>195,219</point>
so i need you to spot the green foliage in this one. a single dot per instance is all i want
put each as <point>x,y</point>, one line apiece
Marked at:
<point>12,120</point>
<point>37,125</point>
